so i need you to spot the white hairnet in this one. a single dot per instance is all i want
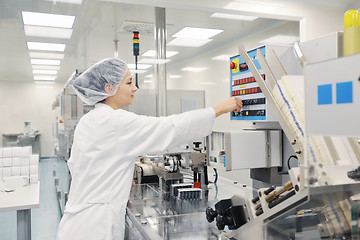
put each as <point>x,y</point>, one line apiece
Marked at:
<point>90,85</point>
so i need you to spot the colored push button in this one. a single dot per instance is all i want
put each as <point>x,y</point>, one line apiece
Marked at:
<point>344,92</point>
<point>243,67</point>
<point>61,121</point>
<point>234,65</point>
<point>325,94</point>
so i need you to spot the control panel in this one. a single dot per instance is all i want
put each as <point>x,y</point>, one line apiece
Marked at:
<point>244,86</point>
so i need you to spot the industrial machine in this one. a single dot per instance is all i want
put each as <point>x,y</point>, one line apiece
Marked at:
<point>68,110</point>
<point>321,199</point>
<point>164,169</point>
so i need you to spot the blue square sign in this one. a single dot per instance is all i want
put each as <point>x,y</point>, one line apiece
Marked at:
<point>344,92</point>
<point>325,94</point>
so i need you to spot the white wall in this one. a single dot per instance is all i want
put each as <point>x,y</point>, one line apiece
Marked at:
<point>22,101</point>
<point>317,23</point>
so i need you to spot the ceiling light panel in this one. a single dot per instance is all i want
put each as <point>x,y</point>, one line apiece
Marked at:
<point>44,82</point>
<point>198,33</point>
<point>254,6</point>
<point>151,53</point>
<point>139,71</point>
<point>44,78</point>
<point>153,61</point>
<point>48,20</point>
<point>175,76</point>
<point>57,47</point>
<point>45,67</point>
<point>46,55</point>
<point>188,42</point>
<point>139,66</point>
<point>221,58</point>
<point>233,16</point>
<point>38,71</point>
<point>194,69</point>
<point>45,62</point>
<point>48,32</point>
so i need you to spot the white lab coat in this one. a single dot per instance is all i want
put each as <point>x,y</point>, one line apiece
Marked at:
<point>106,143</point>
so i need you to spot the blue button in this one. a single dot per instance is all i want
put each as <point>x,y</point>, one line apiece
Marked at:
<point>325,94</point>
<point>344,92</point>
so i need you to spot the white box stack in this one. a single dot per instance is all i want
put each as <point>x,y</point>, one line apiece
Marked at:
<point>18,166</point>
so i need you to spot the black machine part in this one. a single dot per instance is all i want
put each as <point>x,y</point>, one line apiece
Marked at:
<point>226,214</point>
<point>354,174</point>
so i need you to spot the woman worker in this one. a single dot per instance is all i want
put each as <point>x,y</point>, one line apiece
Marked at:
<point>107,141</point>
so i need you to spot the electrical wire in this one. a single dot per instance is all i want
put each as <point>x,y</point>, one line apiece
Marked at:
<point>288,161</point>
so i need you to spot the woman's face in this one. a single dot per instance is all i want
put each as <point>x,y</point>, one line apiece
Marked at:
<point>124,95</point>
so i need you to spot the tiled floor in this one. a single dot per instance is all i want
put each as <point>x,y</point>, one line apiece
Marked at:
<point>46,218</point>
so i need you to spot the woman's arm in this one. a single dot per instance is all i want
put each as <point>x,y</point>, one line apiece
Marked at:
<point>232,104</point>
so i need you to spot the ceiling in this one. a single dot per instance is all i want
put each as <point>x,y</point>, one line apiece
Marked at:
<point>98,24</point>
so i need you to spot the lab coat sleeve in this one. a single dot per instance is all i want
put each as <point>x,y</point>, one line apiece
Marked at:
<point>153,135</point>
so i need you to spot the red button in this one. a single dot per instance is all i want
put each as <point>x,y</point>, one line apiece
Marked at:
<point>232,65</point>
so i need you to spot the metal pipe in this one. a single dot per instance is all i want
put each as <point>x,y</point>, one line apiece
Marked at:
<point>116,51</point>
<point>160,69</point>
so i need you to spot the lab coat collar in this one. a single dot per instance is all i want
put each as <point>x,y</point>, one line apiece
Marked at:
<point>102,105</point>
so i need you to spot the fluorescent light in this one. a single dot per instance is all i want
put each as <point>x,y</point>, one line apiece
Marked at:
<point>147,81</point>
<point>45,71</point>
<point>194,69</point>
<point>188,42</point>
<point>253,6</point>
<point>45,61</point>
<point>280,39</point>
<point>140,71</point>
<point>139,66</point>
<point>44,82</point>
<point>46,67</point>
<point>198,33</point>
<point>153,61</point>
<point>58,47</point>
<point>48,20</point>
<point>233,16</point>
<point>222,58</point>
<point>149,76</point>
<point>49,32</point>
<point>46,55</point>
<point>47,78</point>
<point>151,53</point>
<point>175,76</point>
